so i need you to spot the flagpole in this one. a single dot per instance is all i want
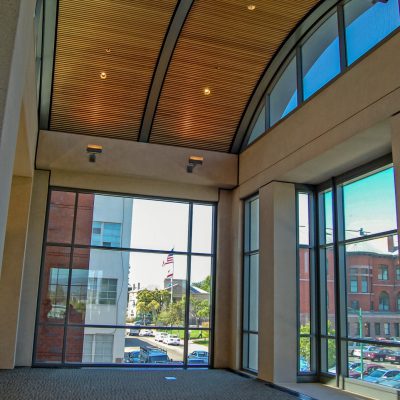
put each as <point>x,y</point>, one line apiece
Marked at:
<point>171,278</point>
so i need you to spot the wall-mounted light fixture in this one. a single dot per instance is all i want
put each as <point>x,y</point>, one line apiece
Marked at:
<point>92,150</point>
<point>193,161</point>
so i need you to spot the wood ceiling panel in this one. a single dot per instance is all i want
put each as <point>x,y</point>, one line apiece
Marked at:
<point>225,47</point>
<point>134,32</point>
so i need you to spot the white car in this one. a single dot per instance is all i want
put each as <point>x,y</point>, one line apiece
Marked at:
<point>160,336</point>
<point>172,340</point>
<point>146,332</point>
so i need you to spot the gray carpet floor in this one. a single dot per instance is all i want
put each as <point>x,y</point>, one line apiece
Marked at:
<point>85,384</point>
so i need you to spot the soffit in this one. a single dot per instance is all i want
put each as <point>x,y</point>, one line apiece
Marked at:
<point>222,45</point>
<point>134,32</point>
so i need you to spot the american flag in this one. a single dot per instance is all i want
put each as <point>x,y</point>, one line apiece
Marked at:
<point>170,259</point>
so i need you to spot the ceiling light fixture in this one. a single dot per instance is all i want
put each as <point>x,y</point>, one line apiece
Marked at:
<point>108,50</point>
<point>251,7</point>
<point>193,161</point>
<point>103,75</point>
<point>207,91</point>
<point>92,150</point>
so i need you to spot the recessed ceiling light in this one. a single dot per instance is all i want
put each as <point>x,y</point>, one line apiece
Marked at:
<point>207,91</point>
<point>251,7</point>
<point>108,50</point>
<point>103,75</point>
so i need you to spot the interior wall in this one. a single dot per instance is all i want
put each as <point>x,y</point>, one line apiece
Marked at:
<point>12,271</point>
<point>16,46</point>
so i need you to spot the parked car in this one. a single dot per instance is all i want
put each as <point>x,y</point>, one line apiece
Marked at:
<point>357,351</point>
<point>146,332</point>
<point>381,374</point>
<point>160,336</point>
<point>133,332</point>
<point>198,357</point>
<point>393,382</point>
<point>394,357</point>
<point>351,366</point>
<point>377,354</point>
<point>368,369</point>
<point>172,340</point>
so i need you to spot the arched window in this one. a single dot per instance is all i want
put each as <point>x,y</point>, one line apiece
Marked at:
<point>383,302</point>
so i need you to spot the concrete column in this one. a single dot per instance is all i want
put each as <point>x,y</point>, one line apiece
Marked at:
<point>30,282</point>
<point>16,28</point>
<point>395,128</point>
<point>13,262</point>
<point>223,284</point>
<point>277,310</point>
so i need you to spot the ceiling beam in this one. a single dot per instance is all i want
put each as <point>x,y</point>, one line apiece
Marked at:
<point>50,9</point>
<point>171,38</point>
<point>242,133</point>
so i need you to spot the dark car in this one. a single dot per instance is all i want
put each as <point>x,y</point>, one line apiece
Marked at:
<point>378,354</point>
<point>394,358</point>
<point>368,369</point>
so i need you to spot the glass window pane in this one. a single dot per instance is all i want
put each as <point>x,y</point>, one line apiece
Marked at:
<point>202,228</point>
<point>362,199</point>
<point>304,289</point>
<point>198,348</point>
<point>303,219</point>
<point>246,289</point>
<point>373,261</point>
<point>84,218</point>
<point>49,343</point>
<point>253,292</point>
<point>158,289</point>
<point>54,285</point>
<point>305,354</point>
<point>326,205</point>
<point>61,217</point>
<point>380,363</point>
<point>320,57</point>
<point>328,292</point>
<point>367,23</point>
<point>259,127</point>
<point>200,292</point>
<point>254,224</point>
<point>253,352</point>
<point>283,97</point>
<point>161,225</point>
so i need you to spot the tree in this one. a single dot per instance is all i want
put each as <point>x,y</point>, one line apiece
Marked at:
<point>152,301</point>
<point>199,309</point>
<point>174,314</point>
<point>205,284</point>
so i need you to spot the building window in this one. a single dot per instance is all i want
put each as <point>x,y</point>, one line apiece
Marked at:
<point>250,286</point>
<point>367,327</point>
<point>102,291</point>
<point>107,234</point>
<point>386,328</point>
<point>398,302</point>
<point>383,273</point>
<point>355,305</point>
<point>163,276</point>
<point>353,280</point>
<point>364,280</point>
<point>396,327</point>
<point>377,329</point>
<point>397,273</point>
<point>383,302</point>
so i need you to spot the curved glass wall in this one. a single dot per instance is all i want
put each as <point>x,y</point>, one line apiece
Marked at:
<point>346,33</point>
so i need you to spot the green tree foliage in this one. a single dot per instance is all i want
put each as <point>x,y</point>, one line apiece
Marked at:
<point>173,315</point>
<point>304,349</point>
<point>204,284</point>
<point>199,309</point>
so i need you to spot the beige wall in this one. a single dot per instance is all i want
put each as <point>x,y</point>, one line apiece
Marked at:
<point>16,48</point>
<point>13,262</point>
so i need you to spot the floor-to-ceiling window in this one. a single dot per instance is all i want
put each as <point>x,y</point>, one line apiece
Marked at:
<point>250,285</point>
<point>125,281</point>
<point>357,287</point>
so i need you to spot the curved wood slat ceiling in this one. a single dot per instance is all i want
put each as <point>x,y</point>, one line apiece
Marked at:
<point>225,47</point>
<point>134,31</point>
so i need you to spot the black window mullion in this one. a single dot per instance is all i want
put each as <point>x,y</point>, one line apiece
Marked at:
<point>342,38</point>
